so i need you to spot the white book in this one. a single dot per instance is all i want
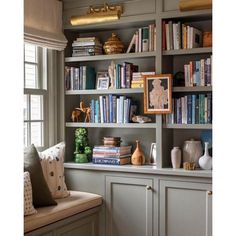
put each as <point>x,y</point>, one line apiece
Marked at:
<point>175,36</point>
<point>155,39</point>
<point>188,36</point>
<point>136,41</point>
<point>132,42</point>
<point>140,40</point>
<point>202,72</point>
<point>101,108</point>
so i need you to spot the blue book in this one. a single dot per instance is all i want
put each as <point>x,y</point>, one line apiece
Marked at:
<point>209,108</point>
<point>111,161</point>
<point>197,110</point>
<point>97,112</point>
<point>92,114</point>
<point>110,108</point>
<point>193,108</point>
<point>114,108</point>
<point>189,109</point>
<point>104,109</point>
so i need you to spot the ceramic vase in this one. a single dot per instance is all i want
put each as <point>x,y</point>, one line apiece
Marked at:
<point>138,157</point>
<point>205,161</point>
<point>192,150</point>
<point>176,157</point>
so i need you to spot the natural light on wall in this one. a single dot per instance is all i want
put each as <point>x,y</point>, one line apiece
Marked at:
<point>35,80</point>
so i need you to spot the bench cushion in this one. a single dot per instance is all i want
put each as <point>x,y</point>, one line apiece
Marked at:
<point>77,202</point>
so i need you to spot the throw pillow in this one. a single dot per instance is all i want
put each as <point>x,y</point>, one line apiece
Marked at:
<point>41,192</point>
<point>52,162</point>
<point>28,198</point>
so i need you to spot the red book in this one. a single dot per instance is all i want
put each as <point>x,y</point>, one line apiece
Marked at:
<point>163,35</point>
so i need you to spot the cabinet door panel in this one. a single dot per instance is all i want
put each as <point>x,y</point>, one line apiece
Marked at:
<point>129,206</point>
<point>185,209</point>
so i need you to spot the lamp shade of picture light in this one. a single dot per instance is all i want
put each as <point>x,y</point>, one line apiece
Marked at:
<point>98,15</point>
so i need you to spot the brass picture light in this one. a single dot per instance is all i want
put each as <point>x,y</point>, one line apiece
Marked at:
<point>98,15</point>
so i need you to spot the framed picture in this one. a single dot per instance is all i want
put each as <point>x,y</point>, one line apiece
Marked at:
<point>103,80</point>
<point>158,94</point>
<point>153,152</point>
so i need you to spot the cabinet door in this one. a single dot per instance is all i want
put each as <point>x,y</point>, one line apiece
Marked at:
<point>129,206</point>
<point>185,209</point>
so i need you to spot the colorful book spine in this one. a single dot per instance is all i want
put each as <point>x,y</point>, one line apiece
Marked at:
<point>111,161</point>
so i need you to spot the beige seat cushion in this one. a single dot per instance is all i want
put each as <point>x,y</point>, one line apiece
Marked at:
<point>77,202</point>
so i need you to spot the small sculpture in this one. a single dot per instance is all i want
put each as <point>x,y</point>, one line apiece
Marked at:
<point>77,111</point>
<point>83,151</point>
<point>75,115</point>
<point>141,119</point>
<point>138,157</point>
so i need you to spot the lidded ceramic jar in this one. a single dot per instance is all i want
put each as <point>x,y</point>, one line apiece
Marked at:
<point>192,150</point>
<point>113,45</point>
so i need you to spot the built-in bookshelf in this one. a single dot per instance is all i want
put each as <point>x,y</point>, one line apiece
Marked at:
<point>159,60</point>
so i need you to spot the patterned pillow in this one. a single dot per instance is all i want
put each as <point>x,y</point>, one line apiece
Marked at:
<point>52,162</point>
<point>28,195</point>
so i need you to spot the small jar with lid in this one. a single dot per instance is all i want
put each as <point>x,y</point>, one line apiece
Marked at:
<point>113,45</point>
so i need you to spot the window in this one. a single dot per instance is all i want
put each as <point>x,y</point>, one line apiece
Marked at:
<point>35,95</point>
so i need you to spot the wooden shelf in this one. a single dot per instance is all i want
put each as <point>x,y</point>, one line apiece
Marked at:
<point>192,89</point>
<point>104,91</point>
<point>187,126</point>
<point>187,51</point>
<point>111,57</point>
<point>197,14</point>
<point>111,125</point>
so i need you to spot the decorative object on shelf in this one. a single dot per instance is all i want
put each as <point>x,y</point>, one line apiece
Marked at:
<point>83,151</point>
<point>158,94</point>
<point>191,5</point>
<point>207,39</point>
<point>141,119</point>
<point>75,115</point>
<point>178,79</point>
<point>189,165</point>
<point>85,110</point>
<point>192,150</point>
<point>111,72</point>
<point>103,80</point>
<point>176,157</point>
<point>206,136</point>
<point>111,141</point>
<point>98,14</point>
<point>205,161</point>
<point>138,157</point>
<point>152,156</point>
<point>113,45</point>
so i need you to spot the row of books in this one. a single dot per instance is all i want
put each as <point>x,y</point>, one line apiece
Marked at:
<point>123,75</point>
<point>198,73</point>
<point>111,155</point>
<point>180,36</point>
<point>86,46</point>
<point>111,109</point>
<point>78,78</point>
<point>143,40</point>
<point>138,80</point>
<point>191,109</point>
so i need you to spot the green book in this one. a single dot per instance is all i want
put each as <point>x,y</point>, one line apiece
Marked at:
<point>89,77</point>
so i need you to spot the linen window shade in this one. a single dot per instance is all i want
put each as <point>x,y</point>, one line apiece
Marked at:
<point>43,24</point>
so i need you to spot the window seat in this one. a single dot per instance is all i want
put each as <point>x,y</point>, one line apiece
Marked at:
<point>76,203</point>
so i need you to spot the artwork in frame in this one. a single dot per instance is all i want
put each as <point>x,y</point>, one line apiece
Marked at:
<point>103,80</point>
<point>158,94</point>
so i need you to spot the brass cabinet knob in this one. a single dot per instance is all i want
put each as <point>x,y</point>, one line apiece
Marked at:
<point>209,193</point>
<point>148,187</point>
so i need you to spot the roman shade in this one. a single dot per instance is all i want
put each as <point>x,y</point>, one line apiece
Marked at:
<point>43,23</point>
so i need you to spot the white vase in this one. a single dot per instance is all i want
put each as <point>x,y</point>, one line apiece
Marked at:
<point>192,150</point>
<point>176,157</point>
<point>205,161</point>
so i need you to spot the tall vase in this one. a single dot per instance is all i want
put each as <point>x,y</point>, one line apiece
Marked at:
<point>138,157</point>
<point>205,161</point>
<point>176,157</point>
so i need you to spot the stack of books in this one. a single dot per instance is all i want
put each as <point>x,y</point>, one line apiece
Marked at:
<point>180,36</point>
<point>143,40</point>
<point>138,80</point>
<point>86,46</point>
<point>112,155</point>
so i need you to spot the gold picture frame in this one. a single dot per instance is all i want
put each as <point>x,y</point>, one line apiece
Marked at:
<point>158,94</point>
